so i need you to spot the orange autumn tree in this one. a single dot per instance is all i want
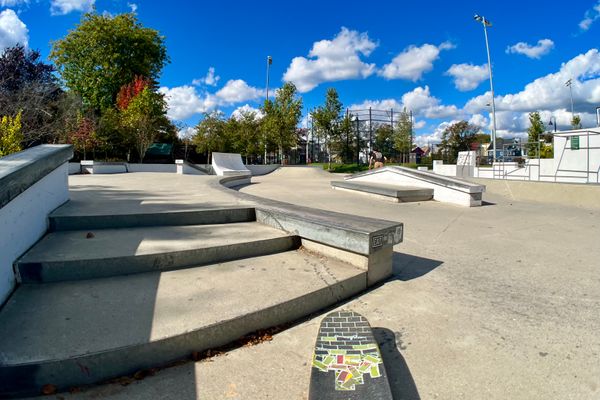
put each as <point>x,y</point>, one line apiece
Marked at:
<point>142,111</point>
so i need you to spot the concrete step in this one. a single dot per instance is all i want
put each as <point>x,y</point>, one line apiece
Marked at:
<point>64,218</point>
<point>82,332</point>
<point>397,193</point>
<point>73,255</point>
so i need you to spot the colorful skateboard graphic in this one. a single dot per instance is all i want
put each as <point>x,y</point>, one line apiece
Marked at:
<point>347,363</point>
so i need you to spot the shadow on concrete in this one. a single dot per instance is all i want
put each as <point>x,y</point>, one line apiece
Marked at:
<point>406,266</point>
<point>399,376</point>
<point>487,203</point>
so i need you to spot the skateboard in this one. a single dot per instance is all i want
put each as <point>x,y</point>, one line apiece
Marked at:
<point>347,363</point>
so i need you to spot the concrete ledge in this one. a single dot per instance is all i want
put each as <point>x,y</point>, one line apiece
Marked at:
<point>348,232</point>
<point>377,266</point>
<point>445,189</point>
<point>21,170</point>
<point>401,194</point>
<point>60,222</point>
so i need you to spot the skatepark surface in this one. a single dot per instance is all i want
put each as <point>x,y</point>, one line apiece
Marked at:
<point>494,302</point>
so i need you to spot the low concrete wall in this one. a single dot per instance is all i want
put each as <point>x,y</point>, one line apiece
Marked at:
<point>169,168</point>
<point>74,168</point>
<point>33,183</point>
<point>574,195</point>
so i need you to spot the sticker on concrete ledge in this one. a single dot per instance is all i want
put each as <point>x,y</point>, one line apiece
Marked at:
<point>377,241</point>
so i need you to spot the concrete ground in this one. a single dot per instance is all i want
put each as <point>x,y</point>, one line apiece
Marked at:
<point>495,302</point>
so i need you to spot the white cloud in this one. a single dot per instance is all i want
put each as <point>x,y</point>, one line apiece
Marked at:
<point>13,3</point>
<point>419,124</point>
<point>549,92</point>
<point>480,121</point>
<point>12,30</point>
<point>184,101</point>
<point>245,109</point>
<point>332,60</point>
<point>542,48</point>
<point>413,62</point>
<point>133,7</point>
<point>186,133</point>
<point>434,137</point>
<point>468,76</point>
<point>590,17</point>
<point>419,101</point>
<point>62,7</point>
<point>210,79</point>
<point>237,91</point>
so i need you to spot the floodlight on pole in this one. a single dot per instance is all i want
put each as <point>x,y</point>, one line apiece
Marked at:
<point>485,24</point>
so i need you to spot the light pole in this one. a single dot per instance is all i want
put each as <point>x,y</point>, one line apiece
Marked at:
<point>485,24</point>
<point>569,83</point>
<point>269,62</point>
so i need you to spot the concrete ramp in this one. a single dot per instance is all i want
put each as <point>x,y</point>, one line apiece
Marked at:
<point>228,164</point>
<point>445,189</point>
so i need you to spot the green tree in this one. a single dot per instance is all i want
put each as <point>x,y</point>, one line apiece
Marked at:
<point>282,117</point>
<point>534,133</point>
<point>210,133</point>
<point>458,137</point>
<point>327,120</point>
<point>403,135</point>
<point>144,119</point>
<point>576,122</point>
<point>384,140</point>
<point>10,135</point>
<point>105,52</point>
<point>248,134</point>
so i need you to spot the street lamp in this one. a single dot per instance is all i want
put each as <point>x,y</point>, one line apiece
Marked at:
<point>269,62</point>
<point>485,24</point>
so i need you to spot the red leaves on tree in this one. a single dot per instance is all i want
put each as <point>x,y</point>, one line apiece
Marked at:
<point>130,90</point>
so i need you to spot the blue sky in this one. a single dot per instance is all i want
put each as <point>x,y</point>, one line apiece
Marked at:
<point>428,57</point>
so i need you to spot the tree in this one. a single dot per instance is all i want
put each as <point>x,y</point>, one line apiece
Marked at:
<point>144,119</point>
<point>210,133</point>
<point>247,136</point>
<point>28,86</point>
<point>458,137</point>
<point>83,137</point>
<point>534,133</point>
<point>327,120</point>
<point>282,117</point>
<point>10,135</point>
<point>403,135</point>
<point>576,122</point>
<point>105,52</point>
<point>384,140</point>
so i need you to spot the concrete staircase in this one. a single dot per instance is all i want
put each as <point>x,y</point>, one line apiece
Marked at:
<point>103,296</point>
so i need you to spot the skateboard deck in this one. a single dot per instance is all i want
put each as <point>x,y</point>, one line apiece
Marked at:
<point>347,363</point>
